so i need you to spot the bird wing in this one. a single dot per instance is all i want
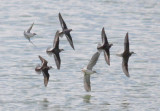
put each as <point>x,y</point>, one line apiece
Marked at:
<point>57,60</point>
<point>126,43</point>
<point>107,56</point>
<point>125,66</point>
<point>46,76</point>
<point>56,40</point>
<point>38,69</point>
<point>87,86</point>
<point>69,38</point>
<point>63,24</point>
<point>44,62</point>
<point>93,61</point>
<point>30,28</point>
<point>104,37</point>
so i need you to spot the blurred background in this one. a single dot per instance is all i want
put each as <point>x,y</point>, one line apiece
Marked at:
<point>21,88</point>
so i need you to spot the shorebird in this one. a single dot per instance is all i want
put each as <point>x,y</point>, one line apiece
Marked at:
<point>88,71</point>
<point>44,69</point>
<point>105,46</point>
<point>55,50</point>
<point>28,34</point>
<point>65,31</point>
<point>125,55</point>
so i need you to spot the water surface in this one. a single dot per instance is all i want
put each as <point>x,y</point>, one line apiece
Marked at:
<point>22,89</point>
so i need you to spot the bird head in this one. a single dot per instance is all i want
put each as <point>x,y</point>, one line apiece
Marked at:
<point>61,50</point>
<point>132,53</point>
<point>34,34</point>
<point>110,45</point>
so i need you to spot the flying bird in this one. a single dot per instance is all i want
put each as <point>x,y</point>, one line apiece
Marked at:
<point>125,55</point>
<point>28,35</point>
<point>44,69</point>
<point>105,46</point>
<point>88,71</point>
<point>55,50</point>
<point>65,31</point>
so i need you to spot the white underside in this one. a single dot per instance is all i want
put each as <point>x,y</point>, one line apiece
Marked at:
<point>86,71</point>
<point>28,35</point>
<point>61,34</point>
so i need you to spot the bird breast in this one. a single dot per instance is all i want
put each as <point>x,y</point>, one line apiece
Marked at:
<point>28,34</point>
<point>86,71</point>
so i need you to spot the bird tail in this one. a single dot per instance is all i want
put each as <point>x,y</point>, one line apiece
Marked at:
<point>61,34</point>
<point>49,51</point>
<point>38,69</point>
<point>32,43</point>
<point>120,55</point>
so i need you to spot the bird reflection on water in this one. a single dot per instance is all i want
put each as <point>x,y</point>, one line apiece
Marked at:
<point>125,105</point>
<point>43,104</point>
<point>86,98</point>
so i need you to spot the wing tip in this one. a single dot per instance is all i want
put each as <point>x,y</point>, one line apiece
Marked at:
<point>71,43</point>
<point>58,67</point>
<point>103,30</point>
<point>39,56</point>
<point>127,74</point>
<point>59,14</point>
<point>46,81</point>
<point>73,47</point>
<point>108,63</point>
<point>127,35</point>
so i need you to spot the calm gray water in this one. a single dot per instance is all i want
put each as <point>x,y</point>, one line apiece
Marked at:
<point>22,89</point>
